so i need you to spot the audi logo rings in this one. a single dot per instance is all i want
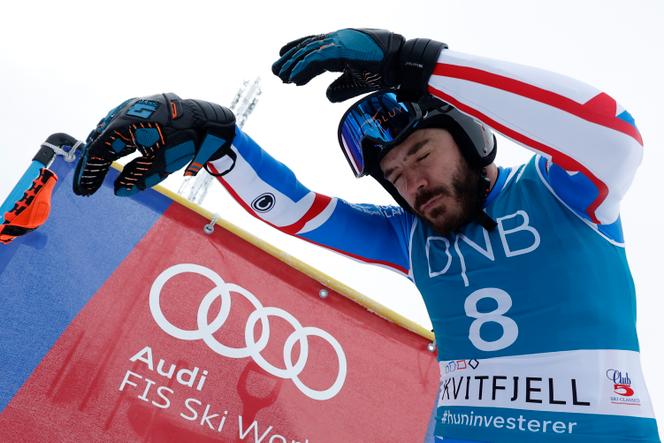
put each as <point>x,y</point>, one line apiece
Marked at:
<point>253,347</point>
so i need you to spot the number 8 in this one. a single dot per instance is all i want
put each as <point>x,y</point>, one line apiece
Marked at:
<point>510,328</point>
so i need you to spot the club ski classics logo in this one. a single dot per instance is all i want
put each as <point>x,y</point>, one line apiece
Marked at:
<point>622,386</point>
<point>206,329</point>
<point>264,202</point>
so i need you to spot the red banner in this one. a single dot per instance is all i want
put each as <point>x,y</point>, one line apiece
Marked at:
<point>200,337</point>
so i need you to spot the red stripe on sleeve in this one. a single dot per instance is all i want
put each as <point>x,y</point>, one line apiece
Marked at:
<point>588,111</point>
<point>319,204</point>
<point>559,158</point>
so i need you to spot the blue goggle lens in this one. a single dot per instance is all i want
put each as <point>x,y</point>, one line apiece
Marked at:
<point>379,118</point>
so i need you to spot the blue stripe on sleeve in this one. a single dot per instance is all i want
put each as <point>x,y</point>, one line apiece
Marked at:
<point>578,192</point>
<point>276,174</point>
<point>373,233</point>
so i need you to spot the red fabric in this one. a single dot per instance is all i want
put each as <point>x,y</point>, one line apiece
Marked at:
<point>74,394</point>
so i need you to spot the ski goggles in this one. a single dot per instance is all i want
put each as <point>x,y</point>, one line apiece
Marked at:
<point>376,122</point>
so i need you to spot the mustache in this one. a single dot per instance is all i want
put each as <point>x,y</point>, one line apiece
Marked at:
<point>427,194</point>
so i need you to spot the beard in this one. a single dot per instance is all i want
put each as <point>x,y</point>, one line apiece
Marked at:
<point>465,190</point>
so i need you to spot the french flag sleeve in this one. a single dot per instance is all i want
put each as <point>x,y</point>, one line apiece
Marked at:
<point>589,144</point>
<point>269,191</point>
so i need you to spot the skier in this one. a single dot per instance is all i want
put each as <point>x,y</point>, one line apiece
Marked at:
<point>522,270</point>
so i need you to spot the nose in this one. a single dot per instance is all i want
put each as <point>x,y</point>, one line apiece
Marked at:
<point>415,181</point>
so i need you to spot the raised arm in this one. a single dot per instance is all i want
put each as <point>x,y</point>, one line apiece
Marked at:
<point>577,127</point>
<point>591,143</point>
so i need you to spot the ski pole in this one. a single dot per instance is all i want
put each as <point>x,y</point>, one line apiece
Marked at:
<point>28,204</point>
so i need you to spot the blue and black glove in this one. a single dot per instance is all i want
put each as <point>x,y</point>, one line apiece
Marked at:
<point>370,59</point>
<point>168,132</point>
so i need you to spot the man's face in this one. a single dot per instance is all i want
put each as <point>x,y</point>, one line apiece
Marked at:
<point>430,173</point>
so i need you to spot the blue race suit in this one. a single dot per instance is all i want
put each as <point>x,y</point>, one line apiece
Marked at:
<point>535,320</point>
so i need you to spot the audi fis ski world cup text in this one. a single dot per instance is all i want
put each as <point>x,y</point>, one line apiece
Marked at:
<point>154,380</point>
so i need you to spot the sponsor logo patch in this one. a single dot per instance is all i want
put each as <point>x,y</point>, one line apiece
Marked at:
<point>622,387</point>
<point>263,203</point>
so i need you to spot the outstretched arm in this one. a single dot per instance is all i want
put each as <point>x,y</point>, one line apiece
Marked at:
<point>269,191</point>
<point>170,132</point>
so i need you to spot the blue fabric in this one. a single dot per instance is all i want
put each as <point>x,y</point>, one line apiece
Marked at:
<point>429,437</point>
<point>626,116</point>
<point>354,229</point>
<point>466,423</point>
<point>556,284</point>
<point>361,230</point>
<point>72,254</point>
<point>568,288</point>
<point>454,440</point>
<point>561,245</point>
<point>578,192</point>
<point>271,171</point>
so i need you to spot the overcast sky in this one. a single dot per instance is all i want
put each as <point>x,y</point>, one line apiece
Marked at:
<point>64,64</point>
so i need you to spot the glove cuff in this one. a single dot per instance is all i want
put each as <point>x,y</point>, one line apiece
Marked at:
<point>417,59</point>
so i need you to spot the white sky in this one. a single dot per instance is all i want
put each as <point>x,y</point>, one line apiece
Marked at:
<point>64,64</point>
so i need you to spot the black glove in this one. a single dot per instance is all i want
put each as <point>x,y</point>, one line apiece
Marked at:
<point>370,59</point>
<point>168,132</point>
